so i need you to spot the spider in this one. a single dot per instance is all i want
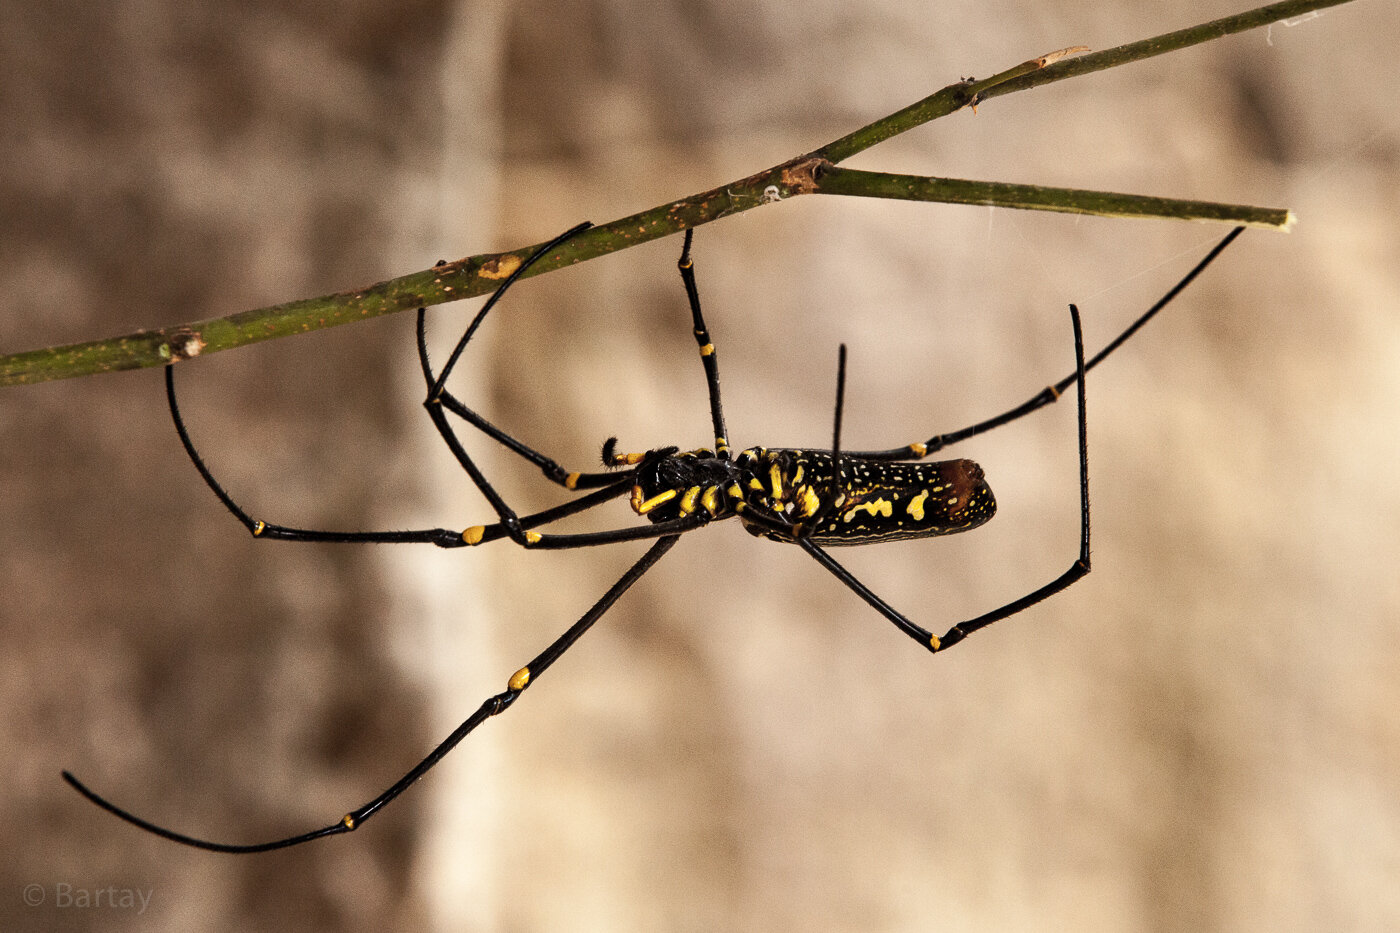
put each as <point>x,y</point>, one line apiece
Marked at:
<point>815,499</point>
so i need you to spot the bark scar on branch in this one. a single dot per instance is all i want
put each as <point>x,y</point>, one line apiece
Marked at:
<point>802,175</point>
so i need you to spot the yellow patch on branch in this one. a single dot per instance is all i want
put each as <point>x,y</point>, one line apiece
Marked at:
<point>500,267</point>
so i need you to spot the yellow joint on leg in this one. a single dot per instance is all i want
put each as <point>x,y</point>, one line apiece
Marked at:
<point>348,821</point>
<point>918,449</point>
<point>259,528</point>
<point>474,534</point>
<point>661,498</point>
<point>935,642</point>
<point>532,537</point>
<point>736,493</point>
<point>571,481</point>
<point>519,680</point>
<point>707,349</point>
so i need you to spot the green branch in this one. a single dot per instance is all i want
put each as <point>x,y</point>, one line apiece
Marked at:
<point>1038,198</point>
<point>1049,68</point>
<point>813,173</point>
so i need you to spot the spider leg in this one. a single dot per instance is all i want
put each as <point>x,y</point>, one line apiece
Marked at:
<point>438,394</point>
<point>438,400</point>
<point>436,408</point>
<point>615,483</point>
<point>442,537</point>
<point>828,502</point>
<point>1078,569</point>
<point>708,357</point>
<point>512,526</point>
<point>493,706</point>
<point>1051,393</point>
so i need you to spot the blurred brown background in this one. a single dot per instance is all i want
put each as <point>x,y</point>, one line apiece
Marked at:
<point>1204,735</point>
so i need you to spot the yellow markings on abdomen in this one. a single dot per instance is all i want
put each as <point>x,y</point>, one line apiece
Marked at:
<point>915,508</point>
<point>878,508</point>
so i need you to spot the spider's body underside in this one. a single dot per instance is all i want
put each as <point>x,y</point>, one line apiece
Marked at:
<point>811,498</point>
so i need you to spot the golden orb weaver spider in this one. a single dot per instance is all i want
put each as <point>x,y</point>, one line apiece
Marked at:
<point>812,498</point>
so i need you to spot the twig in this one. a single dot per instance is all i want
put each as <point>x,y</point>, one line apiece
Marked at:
<point>847,181</point>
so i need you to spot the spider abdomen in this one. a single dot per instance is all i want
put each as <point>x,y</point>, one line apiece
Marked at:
<point>874,500</point>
